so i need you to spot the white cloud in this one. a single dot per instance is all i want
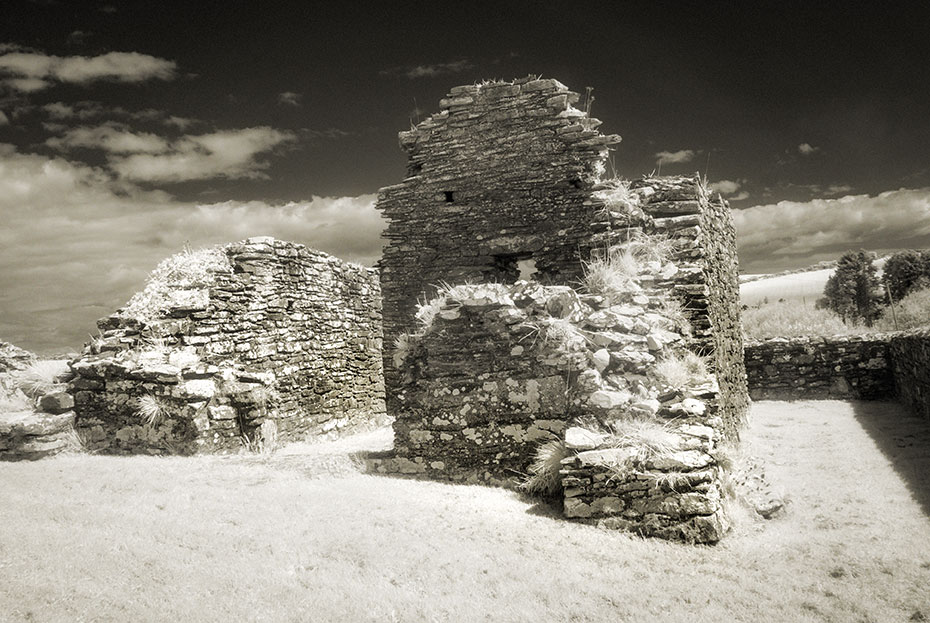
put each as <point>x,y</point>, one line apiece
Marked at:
<point>729,188</point>
<point>675,157</point>
<point>428,71</point>
<point>289,98</point>
<point>113,138</point>
<point>32,71</point>
<point>227,153</point>
<point>827,227</point>
<point>86,110</point>
<point>76,244</point>
<point>4,120</point>
<point>724,187</point>
<point>806,149</point>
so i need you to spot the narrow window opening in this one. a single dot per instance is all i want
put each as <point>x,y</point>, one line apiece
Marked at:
<point>512,267</point>
<point>527,269</point>
<point>449,196</point>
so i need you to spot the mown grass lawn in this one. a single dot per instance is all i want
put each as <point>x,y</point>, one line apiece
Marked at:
<point>304,536</point>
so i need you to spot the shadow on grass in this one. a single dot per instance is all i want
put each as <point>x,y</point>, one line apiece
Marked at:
<point>904,439</point>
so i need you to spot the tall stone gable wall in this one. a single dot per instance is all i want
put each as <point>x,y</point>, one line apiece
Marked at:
<point>509,172</point>
<point>503,173</point>
<point>287,337</point>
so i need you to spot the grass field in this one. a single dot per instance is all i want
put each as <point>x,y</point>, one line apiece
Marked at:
<point>304,536</point>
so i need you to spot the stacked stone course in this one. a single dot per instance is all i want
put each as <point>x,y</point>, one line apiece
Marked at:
<point>280,343</point>
<point>869,367</point>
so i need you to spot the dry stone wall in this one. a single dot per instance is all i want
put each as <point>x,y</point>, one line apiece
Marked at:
<point>706,282</point>
<point>35,410</point>
<point>273,341</point>
<point>868,367</point>
<point>821,367</point>
<point>910,364</point>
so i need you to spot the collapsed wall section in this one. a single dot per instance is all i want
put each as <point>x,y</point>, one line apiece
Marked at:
<point>254,342</point>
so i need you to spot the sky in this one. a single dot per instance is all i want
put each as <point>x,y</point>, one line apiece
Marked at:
<point>129,129</point>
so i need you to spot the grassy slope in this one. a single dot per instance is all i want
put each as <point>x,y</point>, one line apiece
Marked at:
<point>302,536</point>
<point>800,286</point>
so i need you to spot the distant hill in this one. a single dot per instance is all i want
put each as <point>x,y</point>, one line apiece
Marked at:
<point>804,285</point>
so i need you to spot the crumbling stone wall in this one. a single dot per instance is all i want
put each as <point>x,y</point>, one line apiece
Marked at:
<point>506,183</point>
<point>35,416</point>
<point>854,366</point>
<point>501,176</point>
<point>868,367</point>
<point>278,342</point>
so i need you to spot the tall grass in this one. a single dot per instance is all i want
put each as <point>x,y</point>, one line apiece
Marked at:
<point>912,312</point>
<point>151,409</point>
<point>184,270</point>
<point>544,479</point>
<point>612,272</point>
<point>791,319</point>
<point>41,376</point>
<point>683,370</point>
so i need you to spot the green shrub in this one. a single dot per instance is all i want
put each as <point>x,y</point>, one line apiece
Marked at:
<point>912,312</point>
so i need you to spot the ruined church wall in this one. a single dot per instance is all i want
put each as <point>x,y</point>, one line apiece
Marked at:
<point>866,367</point>
<point>283,334</point>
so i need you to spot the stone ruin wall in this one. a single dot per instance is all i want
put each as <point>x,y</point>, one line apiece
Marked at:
<point>281,343</point>
<point>510,172</point>
<point>707,282</point>
<point>862,367</point>
<point>502,174</point>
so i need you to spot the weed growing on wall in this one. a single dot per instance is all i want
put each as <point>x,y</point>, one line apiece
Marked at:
<point>41,377</point>
<point>185,270</point>
<point>614,272</point>
<point>544,479</point>
<point>151,410</point>
<point>684,370</point>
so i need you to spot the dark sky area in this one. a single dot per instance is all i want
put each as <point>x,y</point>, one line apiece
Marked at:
<point>129,128</point>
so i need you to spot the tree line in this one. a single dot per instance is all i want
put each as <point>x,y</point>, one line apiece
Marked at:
<point>855,293</point>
